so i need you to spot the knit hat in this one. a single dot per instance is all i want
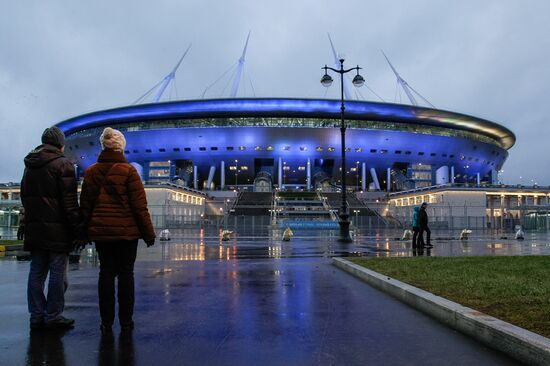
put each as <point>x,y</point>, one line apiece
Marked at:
<point>112,139</point>
<point>53,136</point>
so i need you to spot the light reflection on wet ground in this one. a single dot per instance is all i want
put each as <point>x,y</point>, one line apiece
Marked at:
<point>208,245</point>
<point>248,301</point>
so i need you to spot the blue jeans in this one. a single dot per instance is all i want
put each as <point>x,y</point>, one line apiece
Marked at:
<point>40,307</point>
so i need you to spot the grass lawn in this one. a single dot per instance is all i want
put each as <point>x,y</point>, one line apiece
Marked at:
<point>514,289</point>
<point>10,242</point>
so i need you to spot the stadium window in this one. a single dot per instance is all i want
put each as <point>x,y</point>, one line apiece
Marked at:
<point>148,150</point>
<point>398,152</point>
<point>242,148</point>
<point>229,148</point>
<point>186,149</point>
<point>347,149</point>
<point>331,149</point>
<point>135,151</point>
<point>202,148</point>
<point>301,168</point>
<point>162,149</point>
<point>213,148</point>
<point>451,156</point>
<point>372,150</point>
<point>232,167</point>
<point>286,148</point>
<point>358,149</point>
<point>407,152</point>
<point>257,148</point>
<point>318,148</point>
<point>126,152</point>
<point>432,154</point>
<point>444,155</point>
<point>244,167</point>
<point>421,153</point>
<point>383,151</point>
<point>176,149</point>
<point>269,148</point>
<point>303,148</point>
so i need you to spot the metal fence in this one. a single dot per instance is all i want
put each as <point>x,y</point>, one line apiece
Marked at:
<point>471,217</point>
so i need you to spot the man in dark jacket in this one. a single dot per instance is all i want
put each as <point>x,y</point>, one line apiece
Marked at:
<point>423,223</point>
<point>52,224</point>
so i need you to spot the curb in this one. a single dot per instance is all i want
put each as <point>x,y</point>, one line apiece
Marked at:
<point>516,342</point>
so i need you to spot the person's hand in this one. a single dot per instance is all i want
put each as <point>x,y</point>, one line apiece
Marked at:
<point>150,243</point>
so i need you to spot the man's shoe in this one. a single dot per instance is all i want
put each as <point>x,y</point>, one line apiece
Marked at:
<point>60,323</point>
<point>106,329</point>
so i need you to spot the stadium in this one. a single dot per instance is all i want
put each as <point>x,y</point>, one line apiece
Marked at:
<point>264,143</point>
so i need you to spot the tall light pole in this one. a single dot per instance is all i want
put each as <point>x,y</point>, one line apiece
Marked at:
<point>236,171</point>
<point>357,175</point>
<point>358,81</point>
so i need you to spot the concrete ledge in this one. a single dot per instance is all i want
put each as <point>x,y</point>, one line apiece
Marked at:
<point>517,342</point>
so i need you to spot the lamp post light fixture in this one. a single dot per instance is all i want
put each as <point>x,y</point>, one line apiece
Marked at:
<point>358,81</point>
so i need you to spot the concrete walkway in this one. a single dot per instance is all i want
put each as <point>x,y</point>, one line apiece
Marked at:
<point>260,311</point>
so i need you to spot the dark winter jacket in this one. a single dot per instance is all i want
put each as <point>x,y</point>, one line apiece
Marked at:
<point>423,218</point>
<point>113,201</point>
<point>49,195</point>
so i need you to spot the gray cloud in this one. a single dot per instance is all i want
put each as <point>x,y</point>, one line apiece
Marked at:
<point>63,58</point>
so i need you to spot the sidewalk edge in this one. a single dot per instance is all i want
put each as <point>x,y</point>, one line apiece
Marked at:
<point>517,342</point>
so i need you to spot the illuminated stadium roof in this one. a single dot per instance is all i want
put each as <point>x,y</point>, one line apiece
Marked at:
<point>356,112</point>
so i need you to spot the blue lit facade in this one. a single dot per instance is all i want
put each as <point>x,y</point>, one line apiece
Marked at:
<point>218,143</point>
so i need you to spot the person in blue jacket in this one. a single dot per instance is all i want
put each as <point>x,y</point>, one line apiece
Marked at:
<point>416,227</point>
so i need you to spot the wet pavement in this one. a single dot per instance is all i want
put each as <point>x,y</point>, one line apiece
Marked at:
<point>248,301</point>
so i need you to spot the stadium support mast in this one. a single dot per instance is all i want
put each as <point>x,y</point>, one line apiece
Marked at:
<point>168,78</point>
<point>240,66</point>
<point>406,87</point>
<point>347,92</point>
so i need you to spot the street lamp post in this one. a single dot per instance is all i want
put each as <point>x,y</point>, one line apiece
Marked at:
<point>357,175</point>
<point>236,171</point>
<point>358,81</point>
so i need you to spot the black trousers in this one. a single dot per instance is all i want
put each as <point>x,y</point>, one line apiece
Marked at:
<point>428,235</point>
<point>116,259</point>
<point>416,230</point>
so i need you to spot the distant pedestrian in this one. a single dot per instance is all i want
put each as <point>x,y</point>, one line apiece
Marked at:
<point>415,226</point>
<point>21,228</point>
<point>52,227</point>
<point>423,223</point>
<point>115,210</point>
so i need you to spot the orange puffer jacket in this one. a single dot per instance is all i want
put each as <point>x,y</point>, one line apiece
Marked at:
<point>113,201</point>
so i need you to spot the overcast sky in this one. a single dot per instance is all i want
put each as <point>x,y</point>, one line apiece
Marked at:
<point>490,59</point>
